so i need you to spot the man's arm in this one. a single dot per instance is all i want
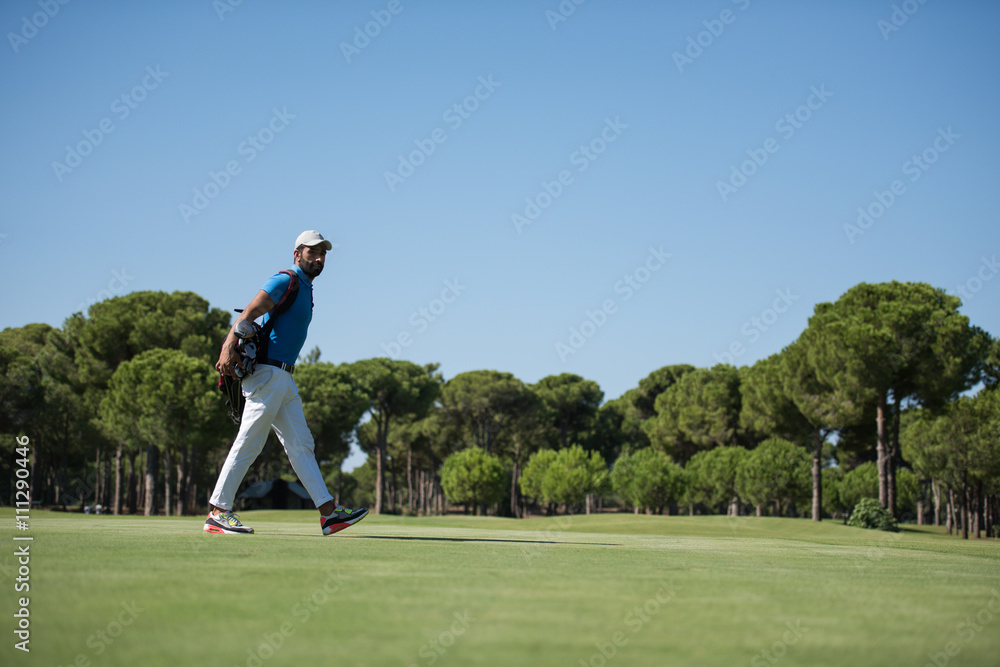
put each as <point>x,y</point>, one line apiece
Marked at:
<point>262,303</point>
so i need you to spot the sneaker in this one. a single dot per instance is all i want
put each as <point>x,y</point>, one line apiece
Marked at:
<point>341,519</point>
<point>226,523</point>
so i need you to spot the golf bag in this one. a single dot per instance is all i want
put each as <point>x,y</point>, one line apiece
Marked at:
<point>251,345</point>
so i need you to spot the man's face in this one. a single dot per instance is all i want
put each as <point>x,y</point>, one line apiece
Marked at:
<point>311,260</point>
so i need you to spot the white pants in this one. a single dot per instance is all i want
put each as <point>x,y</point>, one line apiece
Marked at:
<point>272,401</point>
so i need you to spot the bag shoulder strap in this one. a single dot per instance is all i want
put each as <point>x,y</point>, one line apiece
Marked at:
<point>285,302</point>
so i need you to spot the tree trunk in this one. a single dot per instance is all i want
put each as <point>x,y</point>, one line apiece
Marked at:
<point>421,491</point>
<point>393,491</point>
<point>428,492</point>
<point>977,510</point>
<point>130,491</point>
<point>964,507</point>
<point>192,486</point>
<point>167,494</point>
<point>60,489</point>
<point>106,499</point>
<point>382,435</point>
<point>117,504</point>
<point>181,482</point>
<point>882,449</point>
<point>760,510</point>
<point>152,459</point>
<point>140,482</point>
<point>988,516</point>
<point>422,476</point>
<point>97,477</point>
<point>817,471</point>
<point>379,458</point>
<point>432,492</point>
<point>936,493</point>
<point>949,511</point>
<point>32,492</point>
<point>515,505</point>
<point>891,455</point>
<point>410,500</point>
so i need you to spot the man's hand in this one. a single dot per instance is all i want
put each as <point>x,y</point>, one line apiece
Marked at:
<point>228,358</point>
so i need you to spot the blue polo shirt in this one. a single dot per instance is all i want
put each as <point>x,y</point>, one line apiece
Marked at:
<point>290,329</point>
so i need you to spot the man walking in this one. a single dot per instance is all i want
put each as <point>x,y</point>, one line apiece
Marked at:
<point>272,399</point>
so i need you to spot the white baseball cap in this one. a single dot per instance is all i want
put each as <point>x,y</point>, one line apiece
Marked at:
<point>312,238</point>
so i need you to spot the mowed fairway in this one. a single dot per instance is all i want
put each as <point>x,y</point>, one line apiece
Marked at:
<point>612,589</point>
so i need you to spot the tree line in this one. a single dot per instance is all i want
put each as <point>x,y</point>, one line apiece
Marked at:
<point>890,393</point>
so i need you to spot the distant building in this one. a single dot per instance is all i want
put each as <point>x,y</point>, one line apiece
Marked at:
<point>276,494</point>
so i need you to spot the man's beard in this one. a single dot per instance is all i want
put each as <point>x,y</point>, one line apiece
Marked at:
<point>311,271</point>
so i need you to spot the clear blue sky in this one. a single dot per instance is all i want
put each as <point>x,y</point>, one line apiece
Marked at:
<point>832,99</point>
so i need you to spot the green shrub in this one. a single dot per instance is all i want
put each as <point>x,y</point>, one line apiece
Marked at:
<point>648,478</point>
<point>534,473</point>
<point>572,474</point>
<point>473,476</point>
<point>869,514</point>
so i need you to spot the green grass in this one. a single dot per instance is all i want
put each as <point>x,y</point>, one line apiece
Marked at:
<point>484,591</point>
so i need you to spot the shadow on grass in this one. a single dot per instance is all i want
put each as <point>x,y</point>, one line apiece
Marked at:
<point>472,539</point>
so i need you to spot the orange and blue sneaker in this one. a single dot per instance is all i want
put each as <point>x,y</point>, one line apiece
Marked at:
<point>340,519</point>
<point>226,523</point>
